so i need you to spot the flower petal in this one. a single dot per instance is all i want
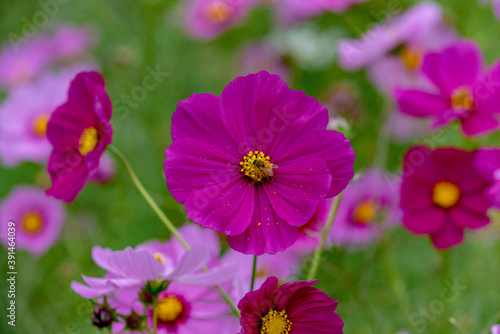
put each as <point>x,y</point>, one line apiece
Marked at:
<point>135,264</point>
<point>448,236</point>
<point>225,207</point>
<point>192,165</point>
<point>464,218</point>
<point>421,104</point>
<point>256,109</point>
<point>199,117</point>
<point>426,221</point>
<point>330,146</point>
<point>267,232</point>
<point>296,190</point>
<point>191,261</point>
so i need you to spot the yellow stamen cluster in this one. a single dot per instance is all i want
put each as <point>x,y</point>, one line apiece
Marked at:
<point>32,222</point>
<point>40,125</point>
<point>365,212</point>
<point>256,166</point>
<point>159,256</point>
<point>89,140</point>
<point>169,309</point>
<point>218,11</point>
<point>445,194</point>
<point>462,98</point>
<point>411,58</point>
<point>276,323</point>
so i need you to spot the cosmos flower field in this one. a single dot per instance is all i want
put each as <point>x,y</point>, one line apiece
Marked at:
<point>250,167</point>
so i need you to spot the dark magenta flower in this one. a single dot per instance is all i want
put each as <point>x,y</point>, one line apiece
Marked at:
<point>464,91</point>
<point>293,308</point>
<point>79,131</point>
<point>442,194</point>
<point>256,162</point>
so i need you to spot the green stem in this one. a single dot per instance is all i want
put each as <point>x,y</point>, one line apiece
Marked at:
<point>155,315</point>
<point>396,282</point>
<point>254,272</point>
<point>170,226</point>
<point>147,196</point>
<point>319,250</point>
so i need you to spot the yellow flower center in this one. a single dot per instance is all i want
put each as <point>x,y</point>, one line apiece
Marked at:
<point>411,58</point>
<point>462,98</point>
<point>89,140</point>
<point>32,222</point>
<point>275,323</point>
<point>169,309</point>
<point>159,256</point>
<point>445,194</point>
<point>257,167</point>
<point>40,125</point>
<point>365,212</point>
<point>218,11</point>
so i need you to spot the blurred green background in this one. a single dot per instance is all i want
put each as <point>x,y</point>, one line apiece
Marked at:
<point>401,283</point>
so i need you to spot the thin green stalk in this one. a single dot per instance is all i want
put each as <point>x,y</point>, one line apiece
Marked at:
<point>254,272</point>
<point>170,226</point>
<point>319,250</point>
<point>396,282</point>
<point>155,316</point>
<point>147,196</point>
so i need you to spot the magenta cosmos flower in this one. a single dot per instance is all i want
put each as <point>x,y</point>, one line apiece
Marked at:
<point>24,116</point>
<point>368,206</point>
<point>207,19</point>
<point>488,163</point>
<point>293,11</point>
<point>38,219</point>
<point>464,91</point>
<point>255,163</point>
<point>442,194</point>
<point>293,308</point>
<point>79,131</point>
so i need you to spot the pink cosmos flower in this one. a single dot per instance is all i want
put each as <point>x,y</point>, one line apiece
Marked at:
<point>38,219</point>
<point>368,206</point>
<point>79,131</point>
<point>488,163</point>
<point>495,329</point>
<point>442,194</point>
<point>256,57</point>
<point>295,308</point>
<point>464,91</point>
<point>411,27</point>
<point>393,52</point>
<point>207,19</point>
<point>256,162</point>
<point>130,269</point>
<point>24,116</point>
<point>292,11</point>
<point>186,309</point>
<point>21,62</point>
